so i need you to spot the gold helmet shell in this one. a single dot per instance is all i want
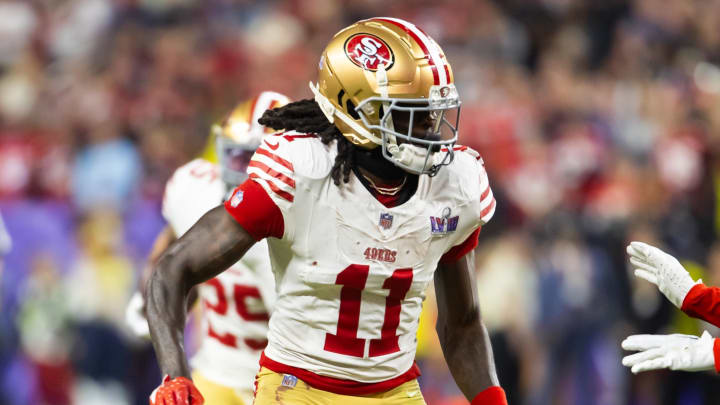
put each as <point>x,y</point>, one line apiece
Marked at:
<point>240,133</point>
<point>379,65</point>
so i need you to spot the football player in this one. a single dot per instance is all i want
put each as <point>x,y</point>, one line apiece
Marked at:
<point>363,201</point>
<point>235,302</point>
<point>675,352</point>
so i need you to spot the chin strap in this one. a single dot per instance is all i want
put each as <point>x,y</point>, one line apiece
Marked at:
<point>412,158</point>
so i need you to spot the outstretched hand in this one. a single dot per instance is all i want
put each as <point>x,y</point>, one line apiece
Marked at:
<point>674,352</point>
<point>661,269</point>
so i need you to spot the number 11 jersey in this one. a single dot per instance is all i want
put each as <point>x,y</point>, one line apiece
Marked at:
<point>351,273</point>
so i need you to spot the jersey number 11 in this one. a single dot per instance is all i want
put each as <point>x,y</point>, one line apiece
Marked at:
<point>353,279</point>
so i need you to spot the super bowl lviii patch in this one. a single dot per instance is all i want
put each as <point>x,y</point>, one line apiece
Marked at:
<point>444,224</point>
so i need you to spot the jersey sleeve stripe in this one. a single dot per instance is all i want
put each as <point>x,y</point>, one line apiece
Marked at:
<point>270,179</point>
<point>488,212</point>
<point>276,158</point>
<point>267,169</point>
<point>274,188</point>
<point>485,193</point>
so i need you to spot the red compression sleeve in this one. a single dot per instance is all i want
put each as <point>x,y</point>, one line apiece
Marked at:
<point>462,249</point>
<point>491,396</point>
<point>255,211</point>
<point>703,302</point>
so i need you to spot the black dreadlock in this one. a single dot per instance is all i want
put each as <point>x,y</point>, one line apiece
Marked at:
<point>307,117</point>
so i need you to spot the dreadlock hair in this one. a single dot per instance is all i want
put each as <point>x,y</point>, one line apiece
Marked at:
<point>307,117</point>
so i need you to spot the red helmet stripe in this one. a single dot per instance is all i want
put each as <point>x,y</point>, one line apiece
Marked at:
<point>432,53</point>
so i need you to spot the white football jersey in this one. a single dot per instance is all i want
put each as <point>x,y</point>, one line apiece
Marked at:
<point>236,303</point>
<point>351,273</point>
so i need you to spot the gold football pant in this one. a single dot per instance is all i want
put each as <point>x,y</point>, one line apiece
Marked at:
<point>270,390</point>
<point>216,394</point>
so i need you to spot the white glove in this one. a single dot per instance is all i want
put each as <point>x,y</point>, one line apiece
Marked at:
<point>135,317</point>
<point>675,352</point>
<point>661,269</point>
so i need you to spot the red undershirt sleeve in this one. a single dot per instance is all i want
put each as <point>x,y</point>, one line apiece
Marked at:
<point>462,249</point>
<point>703,302</point>
<point>255,211</point>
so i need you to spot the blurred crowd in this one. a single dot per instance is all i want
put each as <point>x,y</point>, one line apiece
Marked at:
<point>597,121</point>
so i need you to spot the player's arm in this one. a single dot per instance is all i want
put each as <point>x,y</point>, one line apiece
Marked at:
<point>212,245</point>
<point>463,336</point>
<point>162,241</point>
<point>703,302</point>
<point>135,313</point>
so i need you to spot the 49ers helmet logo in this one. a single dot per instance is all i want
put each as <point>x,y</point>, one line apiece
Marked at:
<point>368,51</point>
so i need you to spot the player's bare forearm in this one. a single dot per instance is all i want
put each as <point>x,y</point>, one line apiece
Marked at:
<point>212,245</point>
<point>463,337</point>
<point>162,241</point>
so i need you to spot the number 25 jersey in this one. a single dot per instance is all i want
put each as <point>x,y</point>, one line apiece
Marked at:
<point>351,274</point>
<point>236,302</point>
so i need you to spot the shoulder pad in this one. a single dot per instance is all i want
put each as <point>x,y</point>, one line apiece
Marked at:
<point>462,148</point>
<point>193,189</point>
<point>466,177</point>
<point>283,160</point>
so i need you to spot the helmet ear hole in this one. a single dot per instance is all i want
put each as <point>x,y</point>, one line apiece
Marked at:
<point>351,109</point>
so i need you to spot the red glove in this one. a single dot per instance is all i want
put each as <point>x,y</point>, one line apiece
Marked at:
<point>491,396</point>
<point>178,391</point>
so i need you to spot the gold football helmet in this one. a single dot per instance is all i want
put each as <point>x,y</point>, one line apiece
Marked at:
<point>378,80</point>
<point>237,137</point>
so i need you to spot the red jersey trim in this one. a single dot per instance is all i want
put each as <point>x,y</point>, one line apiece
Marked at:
<point>456,148</point>
<point>462,249</point>
<point>275,189</point>
<point>488,208</point>
<point>337,385</point>
<point>491,396</point>
<point>276,158</point>
<point>485,193</point>
<point>274,173</point>
<point>255,211</point>
<point>716,354</point>
<point>703,302</point>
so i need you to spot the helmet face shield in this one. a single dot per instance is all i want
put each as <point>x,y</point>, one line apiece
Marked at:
<point>234,159</point>
<point>240,133</point>
<point>414,130</point>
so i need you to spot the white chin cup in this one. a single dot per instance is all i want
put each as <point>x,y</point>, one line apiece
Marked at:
<point>410,157</point>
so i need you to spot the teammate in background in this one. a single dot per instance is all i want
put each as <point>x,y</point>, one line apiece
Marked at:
<point>676,352</point>
<point>235,302</point>
<point>364,201</point>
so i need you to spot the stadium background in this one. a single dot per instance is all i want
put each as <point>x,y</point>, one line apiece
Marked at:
<point>597,120</point>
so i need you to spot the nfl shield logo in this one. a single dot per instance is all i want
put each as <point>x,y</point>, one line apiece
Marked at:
<point>289,380</point>
<point>386,221</point>
<point>236,199</point>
